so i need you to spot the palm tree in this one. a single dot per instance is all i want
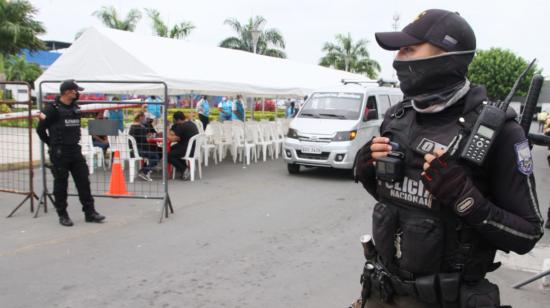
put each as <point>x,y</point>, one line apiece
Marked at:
<point>178,31</point>
<point>349,56</point>
<point>18,30</point>
<point>109,17</point>
<point>270,43</point>
<point>17,68</point>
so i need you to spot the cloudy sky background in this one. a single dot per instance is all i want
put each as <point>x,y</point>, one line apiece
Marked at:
<point>306,25</point>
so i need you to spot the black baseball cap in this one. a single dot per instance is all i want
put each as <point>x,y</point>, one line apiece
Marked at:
<point>444,29</point>
<point>69,85</point>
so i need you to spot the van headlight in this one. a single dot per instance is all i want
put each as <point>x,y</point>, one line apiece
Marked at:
<point>292,133</point>
<point>345,136</point>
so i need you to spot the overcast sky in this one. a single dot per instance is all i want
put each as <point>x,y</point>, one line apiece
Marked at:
<point>307,24</point>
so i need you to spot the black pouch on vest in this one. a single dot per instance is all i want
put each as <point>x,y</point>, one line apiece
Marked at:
<point>422,245</point>
<point>482,294</point>
<point>449,284</point>
<point>425,287</point>
<point>384,226</point>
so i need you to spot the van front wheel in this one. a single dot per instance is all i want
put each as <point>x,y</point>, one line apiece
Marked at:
<point>293,168</point>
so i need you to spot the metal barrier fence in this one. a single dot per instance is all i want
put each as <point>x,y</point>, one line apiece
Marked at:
<point>139,149</point>
<point>16,139</point>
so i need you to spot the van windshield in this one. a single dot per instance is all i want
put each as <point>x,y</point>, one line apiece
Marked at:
<point>333,105</point>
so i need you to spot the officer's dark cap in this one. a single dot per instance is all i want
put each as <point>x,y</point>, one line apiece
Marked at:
<point>444,29</point>
<point>69,85</point>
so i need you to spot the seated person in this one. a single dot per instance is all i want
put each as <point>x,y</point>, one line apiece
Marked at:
<point>152,132</point>
<point>140,133</point>
<point>180,132</point>
<point>100,141</point>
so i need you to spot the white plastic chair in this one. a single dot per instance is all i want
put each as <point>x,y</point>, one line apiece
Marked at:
<point>199,125</point>
<point>276,138</point>
<point>264,142</point>
<point>90,152</point>
<point>208,147</point>
<point>241,145</point>
<point>214,132</point>
<point>194,159</point>
<point>126,145</point>
<point>227,138</point>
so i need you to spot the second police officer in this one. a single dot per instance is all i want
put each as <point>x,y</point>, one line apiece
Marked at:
<point>59,128</point>
<point>438,227</point>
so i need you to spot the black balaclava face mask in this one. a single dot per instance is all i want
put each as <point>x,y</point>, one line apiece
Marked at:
<point>432,74</point>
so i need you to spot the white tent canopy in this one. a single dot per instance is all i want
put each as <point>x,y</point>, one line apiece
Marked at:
<point>106,54</point>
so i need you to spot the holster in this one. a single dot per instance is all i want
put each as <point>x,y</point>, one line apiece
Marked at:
<point>481,294</point>
<point>449,286</point>
<point>366,283</point>
<point>425,287</point>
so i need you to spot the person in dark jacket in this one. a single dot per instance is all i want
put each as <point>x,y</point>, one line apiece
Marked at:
<point>181,132</point>
<point>59,128</point>
<point>439,221</point>
<point>146,150</point>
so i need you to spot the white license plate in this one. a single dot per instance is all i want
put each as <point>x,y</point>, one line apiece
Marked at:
<point>311,150</point>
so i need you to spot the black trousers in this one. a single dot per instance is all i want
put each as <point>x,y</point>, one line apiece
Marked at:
<point>204,119</point>
<point>65,160</point>
<point>174,158</point>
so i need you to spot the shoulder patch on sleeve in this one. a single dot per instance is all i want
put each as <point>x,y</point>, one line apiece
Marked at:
<point>523,157</point>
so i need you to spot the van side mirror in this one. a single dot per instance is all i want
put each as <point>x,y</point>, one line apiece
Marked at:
<point>370,114</point>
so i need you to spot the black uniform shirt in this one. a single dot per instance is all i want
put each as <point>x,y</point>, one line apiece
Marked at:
<point>511,219</point>
<point>68,131</point>
<point>184,131</point>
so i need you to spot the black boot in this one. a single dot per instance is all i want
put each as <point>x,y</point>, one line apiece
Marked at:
<point>94,217</point>
<point>66,221</point>
<point>547,225</point>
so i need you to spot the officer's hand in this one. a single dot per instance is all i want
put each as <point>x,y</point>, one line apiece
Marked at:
<point>428,158</point>
<point>449,183</point>
<point>380,147</point>
<point>364,169</point>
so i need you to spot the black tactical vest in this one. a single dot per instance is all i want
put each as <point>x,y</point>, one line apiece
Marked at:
<point>65,130</point>
<point>414,234</point>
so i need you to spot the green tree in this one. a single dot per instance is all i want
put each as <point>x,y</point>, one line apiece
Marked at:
<point>17,68</point>
<point>109,16</point>
<point>161,28</point>
<point>18,30</point>
<point>270,43</point>
<point>498,69</point>
<point>347,55</point>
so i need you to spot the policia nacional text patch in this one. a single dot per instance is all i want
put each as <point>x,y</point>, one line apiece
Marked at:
<point>524,158</point>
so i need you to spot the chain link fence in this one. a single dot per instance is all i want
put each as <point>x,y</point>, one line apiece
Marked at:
<point>124,142</point>
<point>18,147</point>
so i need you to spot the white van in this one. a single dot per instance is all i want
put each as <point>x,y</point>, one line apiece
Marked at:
<point>335,123</point>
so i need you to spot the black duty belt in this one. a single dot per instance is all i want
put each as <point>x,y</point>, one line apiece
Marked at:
<point>441,288</point>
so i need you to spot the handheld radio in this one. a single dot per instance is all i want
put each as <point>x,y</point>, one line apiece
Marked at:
<point>488,125</point>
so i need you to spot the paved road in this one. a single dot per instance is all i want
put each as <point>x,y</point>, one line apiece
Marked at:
<point>240,238</point>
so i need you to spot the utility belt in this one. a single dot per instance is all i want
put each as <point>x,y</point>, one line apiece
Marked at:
<point>447,290</point>
<point>442,288</point>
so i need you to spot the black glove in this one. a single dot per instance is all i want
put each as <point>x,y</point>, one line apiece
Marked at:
<point>449,183</point>
<point>364,169</point>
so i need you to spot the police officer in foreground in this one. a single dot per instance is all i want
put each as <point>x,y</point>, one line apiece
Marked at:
<point>59,128</point>
<point>439,219</point>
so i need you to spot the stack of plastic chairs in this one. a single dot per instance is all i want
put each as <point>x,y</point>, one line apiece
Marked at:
<point>264,142</point>
<point>276,138</point>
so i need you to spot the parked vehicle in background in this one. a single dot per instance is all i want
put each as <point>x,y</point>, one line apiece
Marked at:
<point>335,123</point>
